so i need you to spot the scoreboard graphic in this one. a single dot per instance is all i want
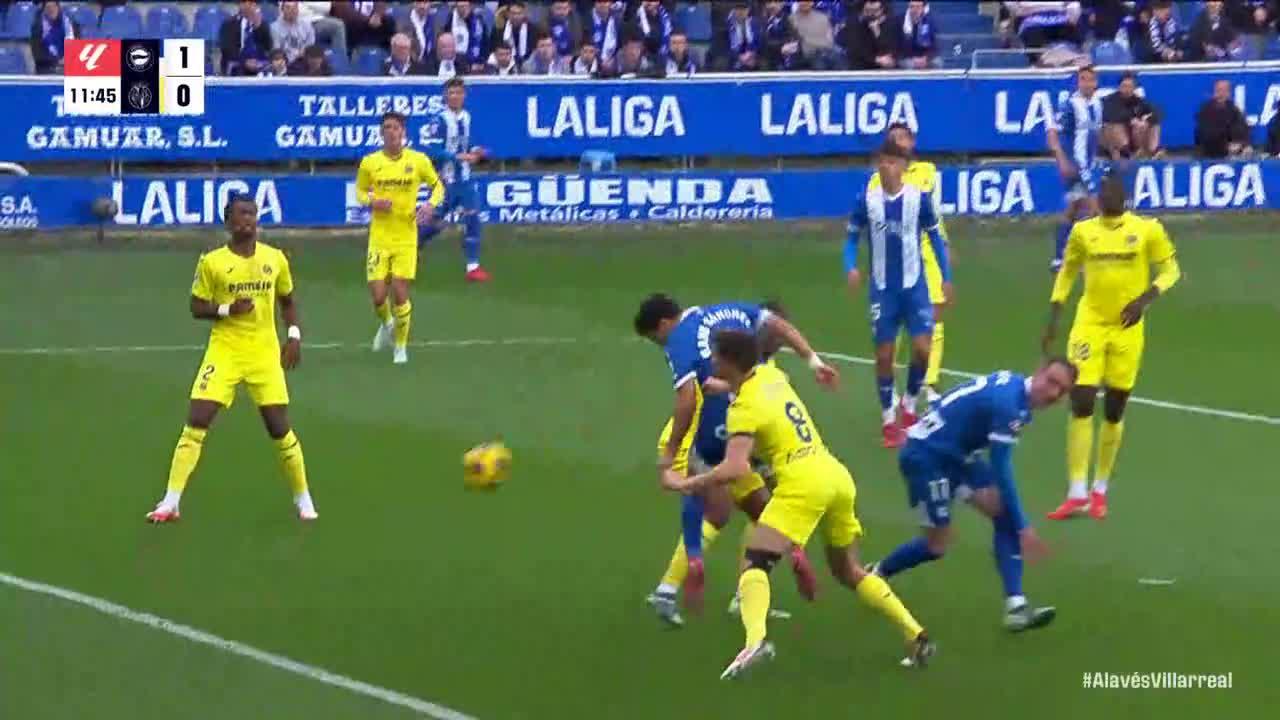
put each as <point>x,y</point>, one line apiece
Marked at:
<point>134,77</point>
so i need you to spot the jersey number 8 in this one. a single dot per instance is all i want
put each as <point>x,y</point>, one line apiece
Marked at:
<point>797,418</point>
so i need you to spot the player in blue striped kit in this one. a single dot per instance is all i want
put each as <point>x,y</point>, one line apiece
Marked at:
<point>892,216</point>
<point>943,462</point>
<point>449,147</point>
<point>1072,137</point>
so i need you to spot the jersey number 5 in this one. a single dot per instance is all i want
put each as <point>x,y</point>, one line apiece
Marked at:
<point>801,423</point>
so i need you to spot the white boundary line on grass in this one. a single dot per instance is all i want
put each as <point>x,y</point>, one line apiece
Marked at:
<point>201,637</point>
<point>843,357</point>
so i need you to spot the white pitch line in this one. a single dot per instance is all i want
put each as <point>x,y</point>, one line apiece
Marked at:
<point>853,359</point>
<point>1136,399</point>
<point>201,637</point>
<point>1155,581</point>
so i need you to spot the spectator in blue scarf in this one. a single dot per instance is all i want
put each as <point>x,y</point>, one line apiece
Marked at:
<point>652,23</point>
<point>48,33</point>
<point>564,28</point>
<point>737,46</point>
<point>919,38</point>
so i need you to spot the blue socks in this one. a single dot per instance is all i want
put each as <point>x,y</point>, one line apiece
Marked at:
<point>691,508</point>
<point>884,386</point>
<point>915,380</point>
<point>471,239</point>
<point>1060,243</point>
<point>426,232</point>
<point>1008,551</point>
<point>908,555</point>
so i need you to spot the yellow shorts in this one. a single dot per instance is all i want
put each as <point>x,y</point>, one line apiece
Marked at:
<point>1107,355</point>
<point>741,488</point>
<point>820,492</point>
<point>221,371</point>
<point>681,464</point>
<point>932,274</point>
<point>401,262</point>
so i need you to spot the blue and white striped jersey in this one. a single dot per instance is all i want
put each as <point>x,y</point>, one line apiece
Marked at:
<point>894,224</point>
<point>1078,122</point>
<point>449,133</point>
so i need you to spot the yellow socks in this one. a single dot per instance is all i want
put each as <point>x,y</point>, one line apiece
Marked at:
<point>935,356</point>
<point>678,569</point>
<point>384,312</point>
<point>1079,448</point>
<point>401,314</point>
<point>1108,448</point>
<point>753,591</point>
<point>875,592</point>
<point>185,457</point>
<point>295,470</point>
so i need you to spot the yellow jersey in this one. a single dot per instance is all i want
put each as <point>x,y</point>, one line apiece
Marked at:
<point>923,175</point>
<point>768,409</point>
<point>396,179</point>
<point>1116,255</point>
<point>222,277</point>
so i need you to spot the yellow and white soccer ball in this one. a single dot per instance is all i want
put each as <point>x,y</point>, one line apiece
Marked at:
<point>485,467</point>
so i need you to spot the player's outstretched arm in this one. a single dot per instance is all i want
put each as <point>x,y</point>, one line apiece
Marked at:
<point>736,464</point>
<point>826,375</point>
<point>291,351</point>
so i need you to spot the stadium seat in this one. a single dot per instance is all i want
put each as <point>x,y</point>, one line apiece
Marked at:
<point>1000,61</point>
<point>956,51</point>
<point>269,12</point>
<point>208,20</point>
<point>121,21</point>
<point>1111,53</point>
<point>400,12</point>
<point>695,20</point>
<point>18,21</point>
<point>340,63</point>
<point>13,61</point>
<point>965,24</point>
<point>1272,50</point>
<point>166,21</point>
<point>598,161</point>
<point>368,60</point>
<point>83,15</point>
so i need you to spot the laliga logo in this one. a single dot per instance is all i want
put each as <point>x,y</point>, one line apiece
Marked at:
<point>91,53</point>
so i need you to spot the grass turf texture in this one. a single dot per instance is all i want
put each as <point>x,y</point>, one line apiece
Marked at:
<point>528,603</point>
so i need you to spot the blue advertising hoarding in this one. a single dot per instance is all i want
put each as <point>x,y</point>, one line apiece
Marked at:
<point>767,114</point>
<point>300,200</point>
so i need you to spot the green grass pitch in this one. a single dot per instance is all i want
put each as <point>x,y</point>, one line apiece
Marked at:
<point>528,603</point>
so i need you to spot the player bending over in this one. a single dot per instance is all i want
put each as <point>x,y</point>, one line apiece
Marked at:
<point>449,147</point>
<point>695,433</point>
<point>941,463</point>
<point>769,421</point>
<point>925,176</point>
<point>893,216</point>
<point>1072,137</point>
<point>236,288</point>
<point>1116,251</point>
<point>388,182</point>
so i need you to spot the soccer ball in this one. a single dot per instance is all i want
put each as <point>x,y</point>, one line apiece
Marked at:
<point>485,467</point>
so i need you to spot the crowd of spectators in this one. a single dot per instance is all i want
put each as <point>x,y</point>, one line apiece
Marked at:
<point>592,37</point>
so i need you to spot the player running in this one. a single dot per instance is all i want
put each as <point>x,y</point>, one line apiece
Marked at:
<point>768,420</point>
<point>941,462</point>
<point>1116,251</point>
<point>237,287</point>
<point>694,436</point>
<point>894,215</point>
<point>925,176</point>
<point>449,147</point>
<point>388,182</point>
<point>1072,137</point>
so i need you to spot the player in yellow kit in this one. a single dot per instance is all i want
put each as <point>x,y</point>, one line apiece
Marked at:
<point>924,175</point>
<point>767,420</point>
<point>1116,250</point>
<point>237,287</point>
<point>388,181</point>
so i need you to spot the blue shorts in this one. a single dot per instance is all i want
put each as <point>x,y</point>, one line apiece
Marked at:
<point>711,439</point>
<point>910,308</point>
<point>933,481</point>
<point>461,195</point>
